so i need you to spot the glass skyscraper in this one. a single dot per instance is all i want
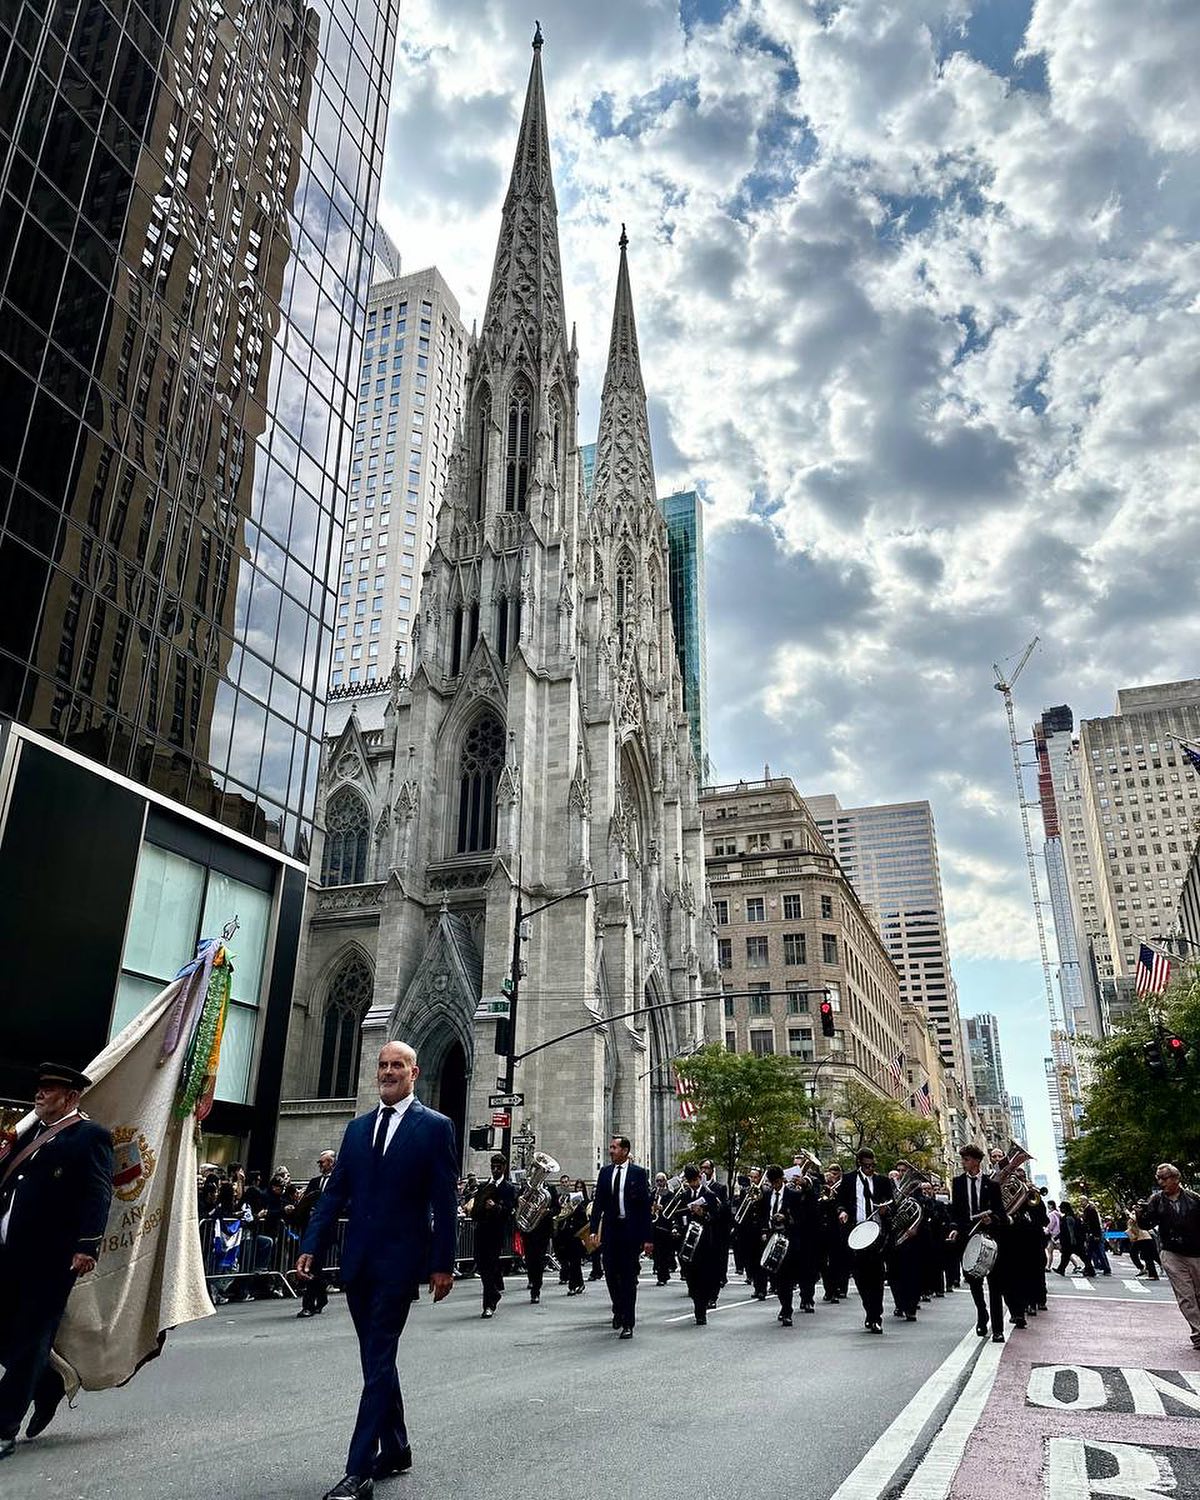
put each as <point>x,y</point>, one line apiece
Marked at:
<point>684,515</point>
<point>188,200</point>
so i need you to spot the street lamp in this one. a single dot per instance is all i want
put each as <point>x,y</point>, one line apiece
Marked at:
<point>506,1031</point>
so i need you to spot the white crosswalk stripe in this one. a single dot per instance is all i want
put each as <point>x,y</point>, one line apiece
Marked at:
<point>1135,1286</point>
<point>1082,1283</point>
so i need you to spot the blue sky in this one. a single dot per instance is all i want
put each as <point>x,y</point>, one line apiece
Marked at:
<point>917,285</point>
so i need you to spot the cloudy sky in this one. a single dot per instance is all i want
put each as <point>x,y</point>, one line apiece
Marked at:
<point>917,288</point>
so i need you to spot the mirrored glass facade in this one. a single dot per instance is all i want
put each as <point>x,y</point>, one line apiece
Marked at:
<point>684,515</point>
<point>188,191</point>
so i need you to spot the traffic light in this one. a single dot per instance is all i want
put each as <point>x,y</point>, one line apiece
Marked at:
<point>1152,1052</point>
<point>1177,1050</point>
<point>479,1137</point>
<point>826,1009</point>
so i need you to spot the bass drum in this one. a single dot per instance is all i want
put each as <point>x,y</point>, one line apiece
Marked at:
<point>979,1256</point>
<point>865,1236</point>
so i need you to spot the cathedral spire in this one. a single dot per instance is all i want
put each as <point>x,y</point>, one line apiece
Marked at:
<point>526,298</point>
<point>624,467</point>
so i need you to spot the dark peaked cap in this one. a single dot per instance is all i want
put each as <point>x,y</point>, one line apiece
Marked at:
<point>66,1077</point>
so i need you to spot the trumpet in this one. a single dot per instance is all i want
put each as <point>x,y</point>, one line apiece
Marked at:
<point>750,1199</point>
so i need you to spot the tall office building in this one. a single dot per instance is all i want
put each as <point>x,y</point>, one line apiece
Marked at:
<point>1078,931</point>
<point>890,854</point>
<point>1141,800</point>
<point>184,262</point>
<point>684,515</point>
<point>409,400</point>
<point>1016,1112</point>
<point>587,469</point>
<point>981,1035</point>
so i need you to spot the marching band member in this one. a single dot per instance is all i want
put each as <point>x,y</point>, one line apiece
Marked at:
<point>1025,1244</point>
<point>493,1207</point>
<point>723,1226</point>
<point>742,1250</point>
<point>835,1275</point>
<point>866,1196</point>
<point>935,1225</point>
<point>569,1223</point>
<point>975,1204</point>
<point>747,1235</point>
<point>536,1242</point>
<point>791,1210</point>
<point>702,1264</point>
<point>662,1230</point>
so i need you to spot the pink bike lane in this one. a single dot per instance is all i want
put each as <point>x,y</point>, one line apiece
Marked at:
<point>1095,1398</point>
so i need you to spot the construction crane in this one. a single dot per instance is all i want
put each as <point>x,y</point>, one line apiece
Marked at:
<point>1060,1039</point>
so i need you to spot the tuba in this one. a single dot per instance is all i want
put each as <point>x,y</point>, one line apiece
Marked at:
<point>1011,1180</point>
<point>907,1210</point>
<point>534,1203</point>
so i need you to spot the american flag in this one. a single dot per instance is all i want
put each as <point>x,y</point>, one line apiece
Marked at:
<point>1191,751</point>
<point>684,1089</point>
<point>896,1069</point>
<point>1153,972</point>
<point>924,1100</point>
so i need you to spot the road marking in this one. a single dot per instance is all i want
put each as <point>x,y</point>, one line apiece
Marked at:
<point>870,1478</point>
<point>937,1469</point>
<point>1067,1297</point>
<point>720,1307</point>
<point>1135,1286</point>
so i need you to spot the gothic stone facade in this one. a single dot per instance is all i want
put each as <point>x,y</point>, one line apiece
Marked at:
<point>539,745</point>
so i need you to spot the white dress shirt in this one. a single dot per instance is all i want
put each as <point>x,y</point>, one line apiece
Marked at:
<point>620,1172</point>
<point>860,1188</point>
<point>400,1106</point>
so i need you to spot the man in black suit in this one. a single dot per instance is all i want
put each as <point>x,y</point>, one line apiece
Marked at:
<point>723,1227</point>
<point>316,1289</point>
<point>493,1209</point>
<point>975,1203</point>
<point>700,1264</point>
<point>621,1216</point>
<point>56,1185</point>
<point>859,1196</point>
<point>396,1182</point>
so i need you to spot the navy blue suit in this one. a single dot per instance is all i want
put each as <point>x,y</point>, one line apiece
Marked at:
<point>621,1239</point>
<point>401,1211</point>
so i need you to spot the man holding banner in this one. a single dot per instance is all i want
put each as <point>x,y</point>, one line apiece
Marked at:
<point>56,1185</point>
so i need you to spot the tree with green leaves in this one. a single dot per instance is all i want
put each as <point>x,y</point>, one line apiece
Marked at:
<point>893,1133</point>
<point>1137,1114</point>
<point>750,1109</point>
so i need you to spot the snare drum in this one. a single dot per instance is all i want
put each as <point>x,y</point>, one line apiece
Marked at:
<point>865,1236</point>
<point>979,1256</point>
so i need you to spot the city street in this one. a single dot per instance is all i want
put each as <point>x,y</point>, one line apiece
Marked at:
<point>254,1403</point>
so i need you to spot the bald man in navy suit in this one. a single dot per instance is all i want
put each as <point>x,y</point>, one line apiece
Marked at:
<point>395,1182</point>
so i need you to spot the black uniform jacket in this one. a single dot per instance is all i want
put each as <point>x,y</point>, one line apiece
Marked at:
<point>989,1199</point>
<point>60,1200</point>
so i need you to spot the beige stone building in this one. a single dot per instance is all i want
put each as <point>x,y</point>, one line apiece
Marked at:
<point>790,929</point>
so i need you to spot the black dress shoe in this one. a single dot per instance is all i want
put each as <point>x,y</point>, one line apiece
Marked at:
<point>981,1329</point>
<point>8,1446</point>
<point>1019,1323</point>
<point>997,1338</point>
<point>306,1312</point>
<point>43,1410</point>
<point>807,1307</point>
<point>626,1333</point>
<point>701,1320</point>
<point>386,1467</point>
<point>876,1326</point>
<point>616,1322</point>
<point>487,1313</point>
<point>352,1487</point>
<point>910,1317</point>
<point>787,1322</point>
<point>534,1298</point>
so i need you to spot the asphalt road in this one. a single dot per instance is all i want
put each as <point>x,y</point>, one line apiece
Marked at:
<point>255,1403</point>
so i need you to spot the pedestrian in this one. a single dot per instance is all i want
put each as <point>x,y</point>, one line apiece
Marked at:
<point>1072,1240</point>
<point>1093,1227</point>
<point>1143,1251</point>
<point>394,1180</point>
<point>621,1217</point>
<point>56,1185</point>
<point>492,1210</point>
<point>316,1288</point>
<point>1175,1212</point>
<point>1053,1218</point>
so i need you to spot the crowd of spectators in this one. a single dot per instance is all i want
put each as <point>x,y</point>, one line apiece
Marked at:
<point>250,1230</point>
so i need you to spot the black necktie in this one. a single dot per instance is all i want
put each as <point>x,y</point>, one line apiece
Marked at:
<point>617,1190</point>
<point>974,1196</point>
<point>867,1194</point>
<point>381,1132</point>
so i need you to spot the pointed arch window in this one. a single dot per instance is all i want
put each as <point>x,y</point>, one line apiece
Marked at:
<point>556,434</point>
<point>479,768</point>
<point>516,449</point>
<point>341,1031</point>
<point>508,625</point>
<point>347,834</point>
<point>624,601</point>
<point>479,456</point>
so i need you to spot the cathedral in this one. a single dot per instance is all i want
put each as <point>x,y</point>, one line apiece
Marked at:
<point>536,751</point>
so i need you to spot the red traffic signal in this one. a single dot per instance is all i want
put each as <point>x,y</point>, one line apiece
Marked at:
<point>1176,1049</point>
<point>826,1008</point>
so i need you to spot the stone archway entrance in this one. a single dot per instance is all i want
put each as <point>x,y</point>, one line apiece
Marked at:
<point>450,1094</point>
